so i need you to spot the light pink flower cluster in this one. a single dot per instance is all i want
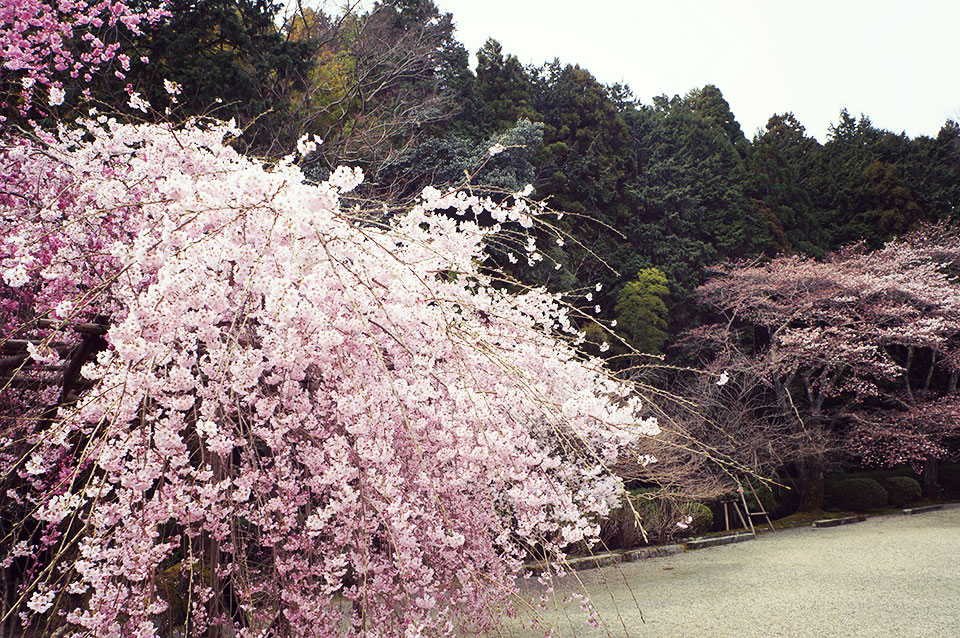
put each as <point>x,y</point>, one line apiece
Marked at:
<point>305,424</point>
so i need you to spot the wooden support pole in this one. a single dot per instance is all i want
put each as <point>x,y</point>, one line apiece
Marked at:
<point>746,510</point>
<point>763,510</point>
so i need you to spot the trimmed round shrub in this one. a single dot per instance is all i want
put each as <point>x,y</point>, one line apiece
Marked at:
<point>858,495</point>
<point>902,490</point>
<point>879,475</point>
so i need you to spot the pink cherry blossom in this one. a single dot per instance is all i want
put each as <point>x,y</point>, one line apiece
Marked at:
<point>47,43</point>
<point>303,421</point>
<point>862,341</point>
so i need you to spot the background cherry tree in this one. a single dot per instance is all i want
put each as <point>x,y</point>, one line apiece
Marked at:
<point>865,340</point>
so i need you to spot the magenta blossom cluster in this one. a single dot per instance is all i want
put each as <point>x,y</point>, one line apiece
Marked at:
<point>44,44</point>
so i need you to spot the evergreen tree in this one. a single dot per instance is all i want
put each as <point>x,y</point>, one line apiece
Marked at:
<point>641,312</point>
<point>890,208</point>
<point>687,194</point>
<point>779,160</point>
<point>228,57</point>
<point>837,181</point>
<point>872,185</point>
<point>710,104</point>
<point>944,157</point>
<point>584,136</point>
<point>502,88</point>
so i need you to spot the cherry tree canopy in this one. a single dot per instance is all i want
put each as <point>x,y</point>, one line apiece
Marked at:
<point>865,336</point>
<point>301,423</point>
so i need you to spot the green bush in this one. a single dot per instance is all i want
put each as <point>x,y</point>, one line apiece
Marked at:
<point>659,517</point>
<point>857,494</point>
<point>701,515</point>
<point>880,475</point>
<point>902,490</point>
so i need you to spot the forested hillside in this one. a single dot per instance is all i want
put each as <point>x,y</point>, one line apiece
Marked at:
<point>674,185</point>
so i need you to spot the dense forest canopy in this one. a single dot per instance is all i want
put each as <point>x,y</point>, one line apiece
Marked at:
<point>674,185</point>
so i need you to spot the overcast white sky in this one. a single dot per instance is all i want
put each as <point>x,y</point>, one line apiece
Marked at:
<point>897,61</point>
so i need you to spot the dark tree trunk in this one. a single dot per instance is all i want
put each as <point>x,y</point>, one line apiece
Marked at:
<point>811,484</point>
<point>930,478</point>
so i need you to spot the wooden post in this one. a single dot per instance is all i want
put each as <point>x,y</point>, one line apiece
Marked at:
<point>763,510</point>
<point>746,510</point>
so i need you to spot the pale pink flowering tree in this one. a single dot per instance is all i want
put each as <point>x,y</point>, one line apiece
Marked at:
<point>302,422</point>
<point>861,337</point>
<point>908,436</point>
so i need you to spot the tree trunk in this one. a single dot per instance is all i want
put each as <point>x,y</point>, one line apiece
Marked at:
<point>811,484</point>
<point>929,477</point>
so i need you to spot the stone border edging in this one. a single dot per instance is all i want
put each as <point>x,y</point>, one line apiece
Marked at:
<point>610,558</point>
<point>643,553</point>
<point>701,543</point>
<point>920,510</point>
<point>834,522</point>
<point>628,556</point>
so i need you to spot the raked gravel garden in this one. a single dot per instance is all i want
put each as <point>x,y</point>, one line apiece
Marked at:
<point>890,575</point>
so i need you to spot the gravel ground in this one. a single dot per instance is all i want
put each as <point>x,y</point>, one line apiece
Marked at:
<point>888,576</point>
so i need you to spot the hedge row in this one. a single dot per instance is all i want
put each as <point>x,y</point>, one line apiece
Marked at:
<point>865,494</point>
<point>855,494</point>
<point>902,490</point>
